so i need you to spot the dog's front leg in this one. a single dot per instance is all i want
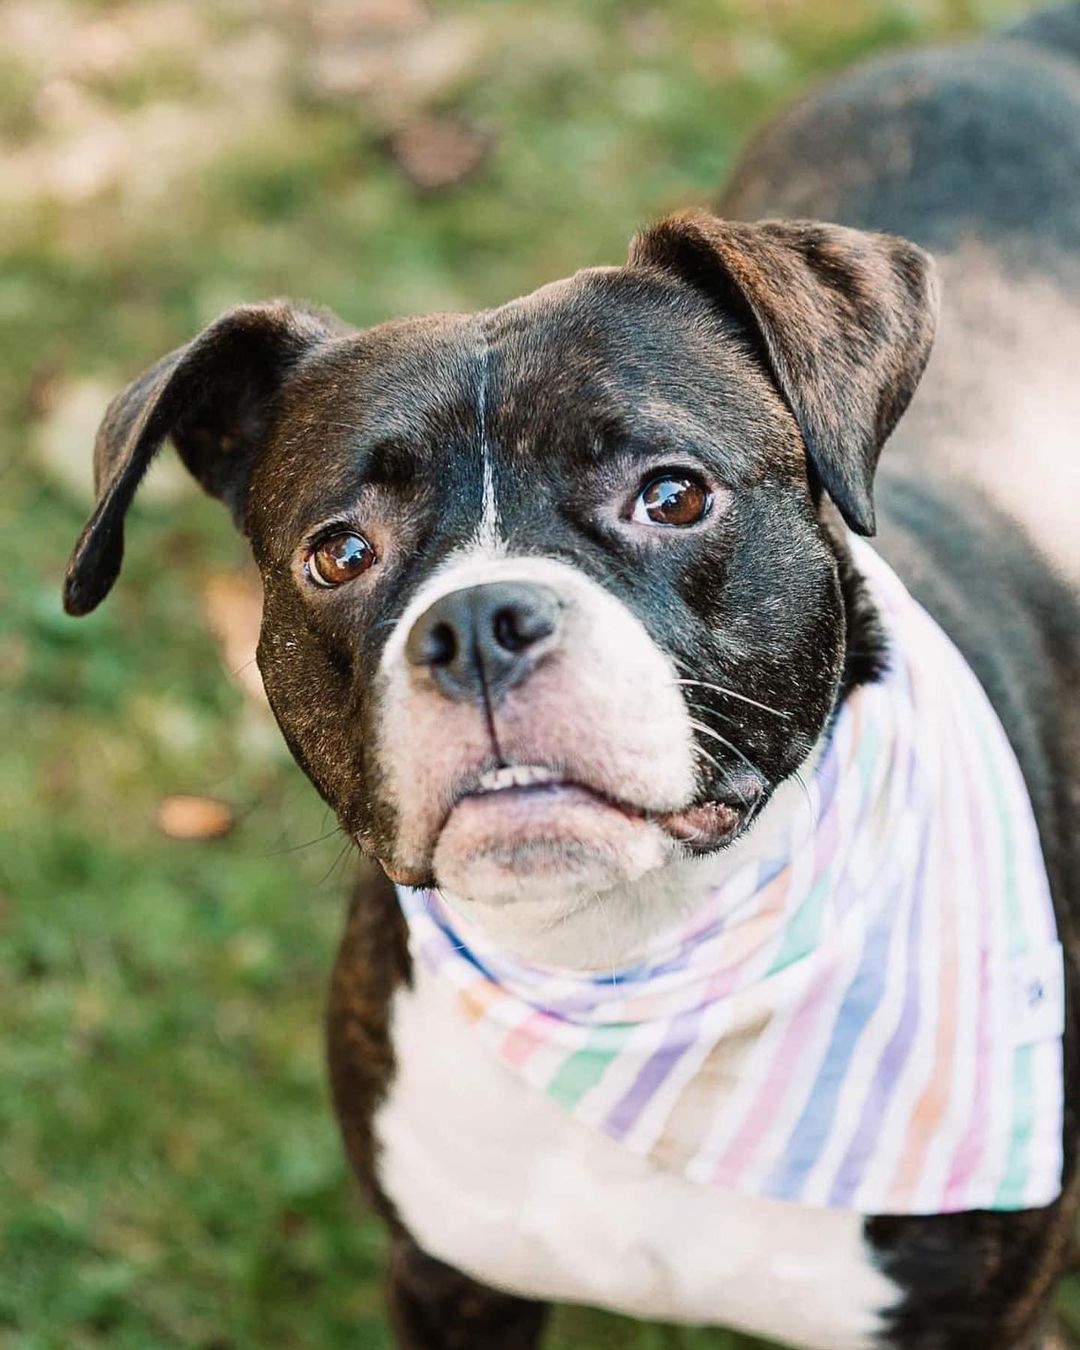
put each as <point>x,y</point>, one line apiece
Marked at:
<point>434,1307</point>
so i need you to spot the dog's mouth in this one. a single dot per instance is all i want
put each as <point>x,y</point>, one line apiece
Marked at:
<point>539,801</point>
<point>535,823</point>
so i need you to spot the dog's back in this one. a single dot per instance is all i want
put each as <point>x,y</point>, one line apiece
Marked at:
<point>972,151</point>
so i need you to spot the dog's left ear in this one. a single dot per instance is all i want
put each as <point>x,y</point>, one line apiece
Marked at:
<point>846,320</point>
<point>215,398</point>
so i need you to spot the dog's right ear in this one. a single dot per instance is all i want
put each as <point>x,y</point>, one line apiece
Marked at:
<point>215,398</point>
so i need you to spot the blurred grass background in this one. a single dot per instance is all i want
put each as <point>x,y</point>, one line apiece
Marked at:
<point>169,1170</point>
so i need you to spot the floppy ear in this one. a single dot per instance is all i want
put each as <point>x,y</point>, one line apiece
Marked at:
<point>845,319</point>
<point>215,397</point>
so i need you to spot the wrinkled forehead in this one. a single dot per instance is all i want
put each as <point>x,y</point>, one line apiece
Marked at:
<point>608,367</point>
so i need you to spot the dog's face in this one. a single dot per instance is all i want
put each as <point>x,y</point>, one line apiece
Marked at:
<point>555,535</point>
<point>549,599</point>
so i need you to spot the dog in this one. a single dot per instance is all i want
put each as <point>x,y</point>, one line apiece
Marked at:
<point>568,619</point>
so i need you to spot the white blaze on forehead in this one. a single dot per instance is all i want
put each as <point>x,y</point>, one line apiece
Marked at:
<point>487,532</point>
<point>486,539</point>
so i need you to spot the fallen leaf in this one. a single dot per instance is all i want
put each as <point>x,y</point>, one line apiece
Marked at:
<point>437,153</point>
<point>184,817</point>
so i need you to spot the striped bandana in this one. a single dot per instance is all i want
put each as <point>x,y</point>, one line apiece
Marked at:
<point>868,1016</point>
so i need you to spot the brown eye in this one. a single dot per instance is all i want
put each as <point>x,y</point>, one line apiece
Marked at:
<point>339,558</point>
<point>671,500</point>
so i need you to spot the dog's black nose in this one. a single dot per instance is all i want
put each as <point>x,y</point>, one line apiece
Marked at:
<point>481,641</point>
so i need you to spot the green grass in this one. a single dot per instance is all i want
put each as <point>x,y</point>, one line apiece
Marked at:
<point>169,1170</point>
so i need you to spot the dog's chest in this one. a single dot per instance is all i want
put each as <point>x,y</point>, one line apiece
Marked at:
<point>500,1182</point>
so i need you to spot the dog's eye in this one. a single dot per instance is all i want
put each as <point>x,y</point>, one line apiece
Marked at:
<point>339,558</point>
<point>671,499</point>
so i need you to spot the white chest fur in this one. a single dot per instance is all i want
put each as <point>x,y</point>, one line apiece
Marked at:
<point>500,1182</point>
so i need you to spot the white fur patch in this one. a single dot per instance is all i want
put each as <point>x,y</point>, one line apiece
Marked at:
<point>499,1182</point>
<point>487,539</point>
<point>487,532</point>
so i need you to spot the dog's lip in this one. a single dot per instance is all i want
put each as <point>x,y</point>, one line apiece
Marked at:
<point>514,782</point>
<point>706,825</point>
<point>698,826</point>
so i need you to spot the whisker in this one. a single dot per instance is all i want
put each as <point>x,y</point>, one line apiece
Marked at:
<point>730,693</point>
<point>708,731</point>
<point>705,710</point>
<point>711,758</point>
<point>349,843</point>
<point>295,848</point>
<point>806,794</point>
<point>796,774</point>
<point>722,771</point>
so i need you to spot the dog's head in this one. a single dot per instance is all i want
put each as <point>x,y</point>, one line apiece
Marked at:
<point>551,594</point>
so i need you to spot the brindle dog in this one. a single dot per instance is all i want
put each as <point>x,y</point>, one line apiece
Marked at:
<point>470,528</point>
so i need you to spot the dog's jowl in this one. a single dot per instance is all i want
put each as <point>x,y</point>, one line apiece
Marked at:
<point>720,968</point>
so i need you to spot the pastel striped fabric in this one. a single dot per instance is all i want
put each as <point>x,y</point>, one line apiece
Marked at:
<point>869,1016</point>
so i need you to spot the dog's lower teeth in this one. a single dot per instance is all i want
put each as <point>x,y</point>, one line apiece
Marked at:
<point>516,775</point>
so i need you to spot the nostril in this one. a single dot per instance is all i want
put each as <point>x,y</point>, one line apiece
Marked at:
<point>516,627</point>
<point>434,641</point>
<point>439,646</point>
<point>508,635</point>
